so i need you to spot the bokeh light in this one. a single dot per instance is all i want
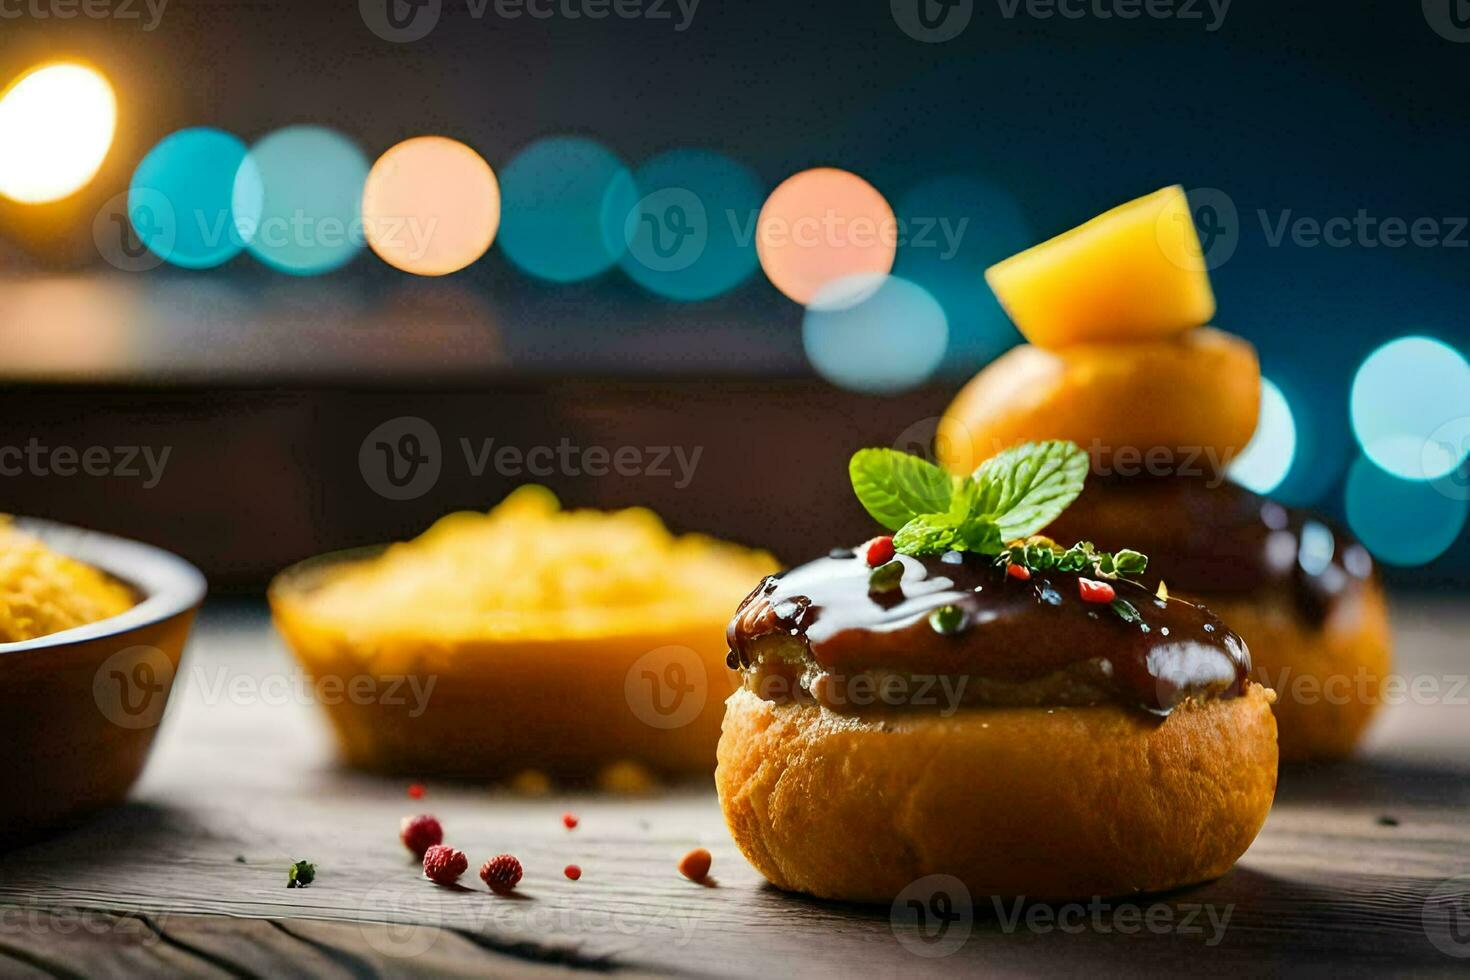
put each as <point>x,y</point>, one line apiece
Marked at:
<point>56,126</point>
<point>1402,522</point>
<point>1405,392</point>
<point>890,340</point>
<point>1267,459</point>
<point>1317,546</point>
<point>431,206</point>
<point>297,200</point>
<point>180,198</point>
<point>954,227</point>
<point>825,226</point>
<point>556,192</point>
<point>690,234</point>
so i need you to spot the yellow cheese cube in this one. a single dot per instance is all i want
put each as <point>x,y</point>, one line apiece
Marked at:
<point>1134,273</point>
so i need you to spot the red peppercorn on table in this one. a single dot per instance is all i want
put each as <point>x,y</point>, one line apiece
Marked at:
<point>1362,867</point>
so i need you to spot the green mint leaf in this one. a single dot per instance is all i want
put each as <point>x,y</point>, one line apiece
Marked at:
<point>1024,488</point>
<point>1076,558</point>
<point>894,487</point>
<point>963,494</point>
<point>927,534</point>
<point>1130,562</point>
<point>981,536</point>
<point>1041,558</point>
<point>1009,497</point>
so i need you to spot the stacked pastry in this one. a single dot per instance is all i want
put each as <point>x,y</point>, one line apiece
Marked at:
<point>1122,362</point>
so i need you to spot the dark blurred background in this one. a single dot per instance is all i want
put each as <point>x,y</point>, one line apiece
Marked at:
<point>265,385</point>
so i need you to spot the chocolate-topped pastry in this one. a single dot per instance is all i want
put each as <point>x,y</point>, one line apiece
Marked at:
<point>1038,640</point>
<point>1302,591</point>
<point>967,697</point>
<point>1208,538</point>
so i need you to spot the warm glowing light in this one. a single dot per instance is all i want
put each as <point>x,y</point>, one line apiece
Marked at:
<point>431,206</point>
<point>825,225</point>
<point>56,126</point>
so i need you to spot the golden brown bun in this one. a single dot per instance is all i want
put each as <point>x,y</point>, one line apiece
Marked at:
<point>1057,803</point>
<point>1199,389</point>
<point>1326,677</point>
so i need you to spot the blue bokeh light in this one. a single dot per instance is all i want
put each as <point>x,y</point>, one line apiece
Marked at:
<point>179,200</point>
<point>554,195</point>
<point>891,339</point>
<point>1267,459</point>
<point>298,200</point>
<point>1402,522</point>
<point>691,233</point>
<point>1405,392</point>
<point>952,228</point>
<point>1324,439</point>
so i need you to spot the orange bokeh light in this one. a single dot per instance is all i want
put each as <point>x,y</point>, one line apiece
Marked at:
<point>824,225</point>
<point>56,126</point>
<point>431,206</point>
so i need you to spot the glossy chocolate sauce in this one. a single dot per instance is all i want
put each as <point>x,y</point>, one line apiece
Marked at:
<point>1012,630</point>
<point>1205,540</point>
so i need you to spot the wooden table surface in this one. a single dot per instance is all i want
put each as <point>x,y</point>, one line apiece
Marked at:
<point>1361,868</point>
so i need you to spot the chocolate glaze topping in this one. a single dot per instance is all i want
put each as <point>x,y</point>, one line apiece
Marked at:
<point>1205,540</point>
<point>1012,630</point>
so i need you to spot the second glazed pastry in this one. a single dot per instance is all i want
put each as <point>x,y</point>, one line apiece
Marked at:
<point>1164,403</point>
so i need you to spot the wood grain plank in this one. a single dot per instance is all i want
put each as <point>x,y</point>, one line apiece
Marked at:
<point>73,942</point>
